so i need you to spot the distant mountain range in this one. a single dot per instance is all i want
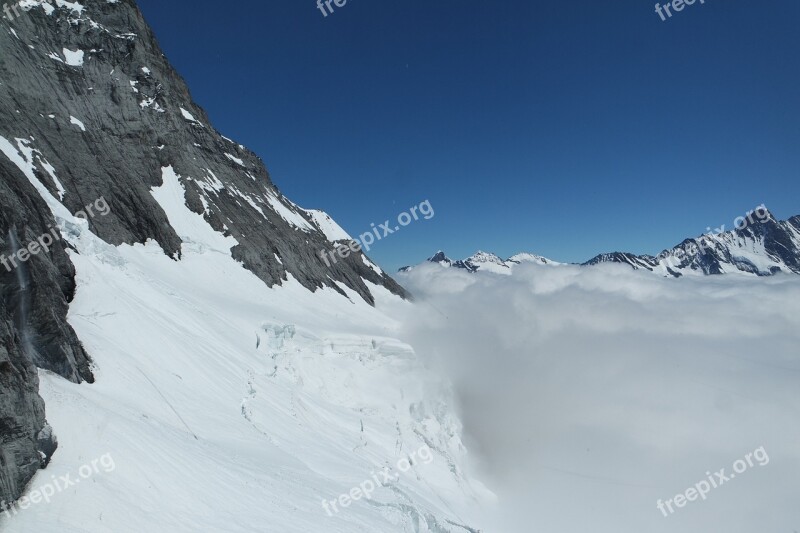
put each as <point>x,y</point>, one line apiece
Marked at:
<point>760,245</point>
<point>485,262</point>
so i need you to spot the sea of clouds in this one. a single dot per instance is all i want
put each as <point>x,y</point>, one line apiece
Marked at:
<point>588,394</point>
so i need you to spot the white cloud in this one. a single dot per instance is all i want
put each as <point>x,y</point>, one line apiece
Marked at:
<point>590,393</point>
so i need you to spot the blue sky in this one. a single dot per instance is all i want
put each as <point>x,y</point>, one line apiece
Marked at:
<point>561,128</point>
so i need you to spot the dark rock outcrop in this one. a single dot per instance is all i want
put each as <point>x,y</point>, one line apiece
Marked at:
<point>23,431</point>
<point>34,332</point>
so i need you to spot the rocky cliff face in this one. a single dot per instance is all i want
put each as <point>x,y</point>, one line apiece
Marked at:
<point>91,113</point>
<point>33,331</point>
<point>22,417</point>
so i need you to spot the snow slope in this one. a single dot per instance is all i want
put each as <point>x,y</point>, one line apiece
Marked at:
<point>328,226</point>
<point>228,406</point>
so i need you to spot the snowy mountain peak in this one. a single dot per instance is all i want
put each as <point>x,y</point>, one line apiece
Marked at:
<point>485,257</point>
<point>530,258</point>
<point>440,257</point>
<point>758,244</point>
<point>485,261</point>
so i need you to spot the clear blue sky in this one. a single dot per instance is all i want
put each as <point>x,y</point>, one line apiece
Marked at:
<point>560,128</point>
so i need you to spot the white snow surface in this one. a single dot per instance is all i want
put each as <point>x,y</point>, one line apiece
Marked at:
<point>328,226</point>
<point>488,262</point>
<point>228,406</point>
<point>292,217</point>
<point>188,116</point>
<point>22,155</point>
<point>235,159</point>
<point>335,233</point>
<point>75,121</point>
<point>371,265</point>
<point>530,258</point>
<point>73,58</point>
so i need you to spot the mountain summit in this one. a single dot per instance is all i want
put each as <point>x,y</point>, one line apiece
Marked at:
<point>759,245</point>
<point>485,261</point>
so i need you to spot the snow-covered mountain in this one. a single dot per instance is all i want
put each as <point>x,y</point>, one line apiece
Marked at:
<point>486,262</point>
<point>182,319</point>
<point>530,258</point>
<point>760,245</point>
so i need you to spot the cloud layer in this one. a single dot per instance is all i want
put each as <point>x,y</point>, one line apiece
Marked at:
<point>588,394</point>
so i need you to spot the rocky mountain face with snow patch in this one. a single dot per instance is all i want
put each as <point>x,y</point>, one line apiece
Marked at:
<point>91,109</point>
<point>33,330</point>
<point>761,246</point>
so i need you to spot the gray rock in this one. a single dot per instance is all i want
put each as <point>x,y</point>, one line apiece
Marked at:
<point>33,332</point>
